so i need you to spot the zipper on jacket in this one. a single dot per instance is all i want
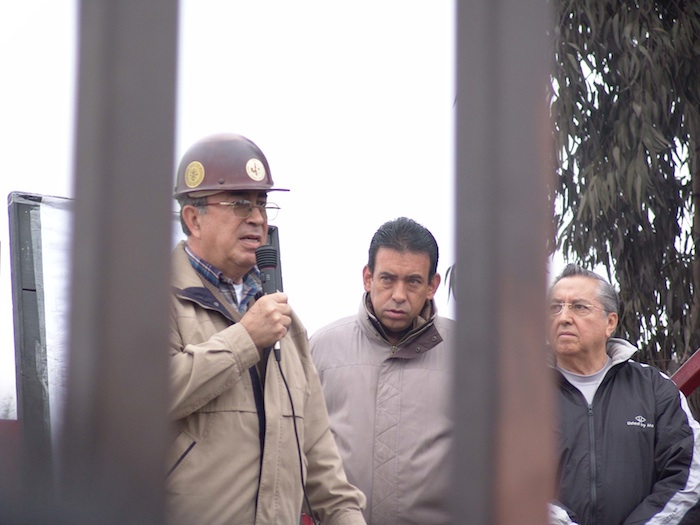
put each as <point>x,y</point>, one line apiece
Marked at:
<point>594,472</point>
<point>259,397</point>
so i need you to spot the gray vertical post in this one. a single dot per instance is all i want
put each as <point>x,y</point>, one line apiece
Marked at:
<point>111,469</point>
<point>504,457</point>
<point>30,345</point>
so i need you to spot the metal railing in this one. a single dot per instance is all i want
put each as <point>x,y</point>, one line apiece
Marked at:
<point>687,377</point>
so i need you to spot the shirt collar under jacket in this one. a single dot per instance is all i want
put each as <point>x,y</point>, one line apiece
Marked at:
<point>251,281</point>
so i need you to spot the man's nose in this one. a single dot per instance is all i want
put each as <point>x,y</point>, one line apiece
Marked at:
<point>565,315</point>
<point>256,216</point>
<point>399,292</point>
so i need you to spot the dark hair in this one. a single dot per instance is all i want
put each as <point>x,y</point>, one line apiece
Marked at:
<point>186,200</point>
<point>404,235</point>
<point>607,295</point>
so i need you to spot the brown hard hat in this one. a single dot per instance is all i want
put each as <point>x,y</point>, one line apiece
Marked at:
<point>223,162</point>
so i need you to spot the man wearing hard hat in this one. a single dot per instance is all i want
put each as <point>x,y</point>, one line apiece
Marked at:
<point>252,441</point>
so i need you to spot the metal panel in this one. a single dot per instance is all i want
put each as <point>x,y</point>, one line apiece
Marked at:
<point>30,342</point>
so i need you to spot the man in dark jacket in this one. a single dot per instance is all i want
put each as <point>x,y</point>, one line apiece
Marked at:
<point>629,445</point>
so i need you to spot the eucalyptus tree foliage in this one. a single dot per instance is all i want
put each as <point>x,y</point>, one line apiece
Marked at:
<point>624,102</point>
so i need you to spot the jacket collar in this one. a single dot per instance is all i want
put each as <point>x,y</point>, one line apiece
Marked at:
<point>187,284</point>
<point>422,337</point>
<point>184,276</point>
<point>619,350</point>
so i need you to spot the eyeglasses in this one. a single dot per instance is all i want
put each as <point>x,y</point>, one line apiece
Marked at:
<point>244,209</point>
<point>579,309</point>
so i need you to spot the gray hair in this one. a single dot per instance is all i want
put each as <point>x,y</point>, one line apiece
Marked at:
<point>607,295</point>
<point>185,200</point>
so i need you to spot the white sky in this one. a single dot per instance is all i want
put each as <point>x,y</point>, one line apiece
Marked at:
<point>351,103</point>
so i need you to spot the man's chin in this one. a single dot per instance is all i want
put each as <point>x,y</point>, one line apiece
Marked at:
<point>566,350</point>
<point>395,330</point>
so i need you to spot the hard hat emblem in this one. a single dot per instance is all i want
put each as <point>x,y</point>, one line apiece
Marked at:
<point>194,174</point>
<point>255,170</point>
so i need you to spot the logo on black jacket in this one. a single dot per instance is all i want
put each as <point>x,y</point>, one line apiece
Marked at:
<point>640,421</point>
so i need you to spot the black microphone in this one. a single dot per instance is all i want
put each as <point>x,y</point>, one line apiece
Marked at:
<point>266,259</point>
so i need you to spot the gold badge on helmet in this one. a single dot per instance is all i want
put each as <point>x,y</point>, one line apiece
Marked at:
<point>255,170</point>
<point>194,174</point>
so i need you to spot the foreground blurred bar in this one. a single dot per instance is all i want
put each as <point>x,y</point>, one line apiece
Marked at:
<point>108,469</point>
<point>504,472</point>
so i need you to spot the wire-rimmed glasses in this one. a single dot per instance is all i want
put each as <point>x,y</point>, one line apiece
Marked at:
<point>579,309</point>
<point>244,208</point>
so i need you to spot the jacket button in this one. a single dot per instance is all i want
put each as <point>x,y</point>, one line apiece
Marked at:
<point>418,350</point>
<point>216,303</point>
<point>434,338</point>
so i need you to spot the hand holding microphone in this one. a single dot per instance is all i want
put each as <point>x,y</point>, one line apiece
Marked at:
<point>268,320</point>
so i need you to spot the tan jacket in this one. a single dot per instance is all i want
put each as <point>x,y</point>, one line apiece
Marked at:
<point>216,474</point>
<point>391,413</point>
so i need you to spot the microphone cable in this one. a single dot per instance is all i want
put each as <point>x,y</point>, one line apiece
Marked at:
<point>296,435</point>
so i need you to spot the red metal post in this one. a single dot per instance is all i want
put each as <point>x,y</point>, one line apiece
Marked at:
<point>687,377</point>
<point>9,458</point>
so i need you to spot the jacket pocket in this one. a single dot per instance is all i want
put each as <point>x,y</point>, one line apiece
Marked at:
<point>297,404</point>
<point>179,450</point>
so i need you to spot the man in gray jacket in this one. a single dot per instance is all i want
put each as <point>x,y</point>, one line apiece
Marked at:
<point>387,378</point>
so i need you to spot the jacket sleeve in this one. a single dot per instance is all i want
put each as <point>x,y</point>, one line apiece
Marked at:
<point>558,515</point>
<point>675,497</point>
<point>201,371</point>
<point>332,496</point>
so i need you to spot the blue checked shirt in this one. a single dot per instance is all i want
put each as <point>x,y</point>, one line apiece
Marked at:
<point>251,281</point>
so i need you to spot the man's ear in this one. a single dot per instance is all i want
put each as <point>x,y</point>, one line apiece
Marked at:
<point>367,278</point>
<point>190,215</point>
<point>612,324</point>
<point>433,285</point>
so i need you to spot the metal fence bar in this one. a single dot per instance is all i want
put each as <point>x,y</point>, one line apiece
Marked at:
<point>504,469</point>
<point>111,467</point>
